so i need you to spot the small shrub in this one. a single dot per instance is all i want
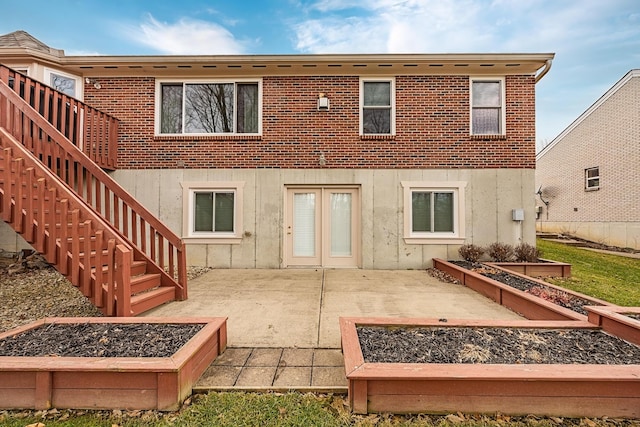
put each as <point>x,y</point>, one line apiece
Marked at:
<point>526,253</point>
<point>500,252</point>
<point>470,252</point>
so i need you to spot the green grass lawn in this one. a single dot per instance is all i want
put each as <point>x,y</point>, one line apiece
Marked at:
<point>238,409</point>
<point>609,277</point>
<point>612,278</point>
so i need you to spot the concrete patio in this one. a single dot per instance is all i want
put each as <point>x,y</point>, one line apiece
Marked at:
<point>283,330</point>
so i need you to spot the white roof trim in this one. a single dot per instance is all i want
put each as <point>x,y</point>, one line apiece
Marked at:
<point>631,74</point>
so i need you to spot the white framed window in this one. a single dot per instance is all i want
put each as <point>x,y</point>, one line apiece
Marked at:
<point>592,179</point>
<point>208,107</point>
<point>66,83</point>
<point>434,212</point>
<point>213,212</point>
<point>487,106</point>
<point>377,106</point>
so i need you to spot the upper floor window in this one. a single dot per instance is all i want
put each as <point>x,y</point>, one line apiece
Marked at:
<point>66,83</point>
<point>592,178</point>
<point>209,107</point>
<point>487,106</point>
<point>377,107</point>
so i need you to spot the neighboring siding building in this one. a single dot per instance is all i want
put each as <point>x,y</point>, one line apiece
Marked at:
<point>273,161</point>
<point>589,173</point>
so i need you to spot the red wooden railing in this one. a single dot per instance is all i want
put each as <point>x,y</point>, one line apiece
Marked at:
<point>148,238</point>
<point>57,223</point>
<point>91,130</point>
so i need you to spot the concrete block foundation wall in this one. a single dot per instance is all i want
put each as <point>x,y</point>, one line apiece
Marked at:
<point>491,194</point>
<point>619,234</point>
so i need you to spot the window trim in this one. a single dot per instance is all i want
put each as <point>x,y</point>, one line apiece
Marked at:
<point>503,109</point>
<point>79,81</point>
<point>188,191</point>
<point>458,190</point>
<point>392,124</point>
<point>587,179</point>
<point>158,106</point>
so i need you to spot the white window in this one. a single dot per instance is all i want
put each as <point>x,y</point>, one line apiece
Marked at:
<point>433,212</point>
<point>377,107</point>
<point>592,178</point>
<point>210,107</point>
<point>66,83</point>
<point>487,106</point>
<point>213,211</point>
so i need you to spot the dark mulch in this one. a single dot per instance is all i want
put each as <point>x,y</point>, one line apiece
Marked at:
<point>381,344</point>
<point>556,296</point>
<point>100,340</point>
<point>633,315</point>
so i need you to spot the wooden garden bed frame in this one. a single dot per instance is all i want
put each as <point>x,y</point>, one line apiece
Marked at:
<point>552,390</point>
<point>544,268</point>
<point>110,382</point>
<point>529,306</point>
<point>612,319</point>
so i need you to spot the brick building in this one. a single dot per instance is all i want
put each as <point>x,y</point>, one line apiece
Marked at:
<point>271,161</point>
<point>589,173</point>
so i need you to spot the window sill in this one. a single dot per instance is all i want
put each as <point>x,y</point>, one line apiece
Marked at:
<point>212,240</point>
<point>488,137</point>
<point>231,137</point>
<point>379,137</point>
<point>434,241</point>
<point>592,189</point>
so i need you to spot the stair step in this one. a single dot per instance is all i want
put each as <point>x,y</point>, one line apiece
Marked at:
<point>144,282</point>
<point>138,268</point>
<point>148,300</point>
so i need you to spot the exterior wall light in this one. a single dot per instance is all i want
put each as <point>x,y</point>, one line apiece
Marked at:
<point>323,102</point>
<point>96,84</point>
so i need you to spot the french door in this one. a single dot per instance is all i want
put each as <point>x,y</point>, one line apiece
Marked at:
<point>322,227</point>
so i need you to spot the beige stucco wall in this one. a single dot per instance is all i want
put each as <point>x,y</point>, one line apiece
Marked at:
<point>491,194</point>
<point>607,137</point>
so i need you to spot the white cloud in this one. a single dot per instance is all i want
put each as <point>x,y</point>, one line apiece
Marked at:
<point>453,25</point>
<point>186,37</point>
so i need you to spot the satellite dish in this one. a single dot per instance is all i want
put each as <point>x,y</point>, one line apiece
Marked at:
<point>539,194</point>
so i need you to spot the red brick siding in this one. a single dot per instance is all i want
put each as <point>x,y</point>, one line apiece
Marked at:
<point>432,127</point>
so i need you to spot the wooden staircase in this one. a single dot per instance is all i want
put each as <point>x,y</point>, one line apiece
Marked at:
<point>59,198</point>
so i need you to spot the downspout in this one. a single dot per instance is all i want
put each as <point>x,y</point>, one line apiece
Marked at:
<point>545,70</point>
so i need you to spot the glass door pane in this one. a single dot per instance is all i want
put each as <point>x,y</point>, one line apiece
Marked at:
<point>340,214</point>
<point>304,224</point>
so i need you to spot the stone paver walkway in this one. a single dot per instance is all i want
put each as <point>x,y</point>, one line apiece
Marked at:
<point>278,369</point>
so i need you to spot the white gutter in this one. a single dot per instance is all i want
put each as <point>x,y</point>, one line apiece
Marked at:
<point>545,70</point>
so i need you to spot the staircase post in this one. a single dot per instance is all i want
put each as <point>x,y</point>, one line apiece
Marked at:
<point>123,281</point>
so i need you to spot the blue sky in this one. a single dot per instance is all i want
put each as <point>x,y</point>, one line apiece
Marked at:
<point>596,41</point>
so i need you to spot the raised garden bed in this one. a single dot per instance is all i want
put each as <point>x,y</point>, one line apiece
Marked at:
<point>97,378</point>
<point>552,389</point>
<point>544,268</point>
<point>623,322</point>
<point>530,297</point>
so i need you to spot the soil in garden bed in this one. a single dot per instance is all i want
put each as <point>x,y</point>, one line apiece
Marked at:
<point>556,296</point>
<point>100,340</point>
<point>382,344</point>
